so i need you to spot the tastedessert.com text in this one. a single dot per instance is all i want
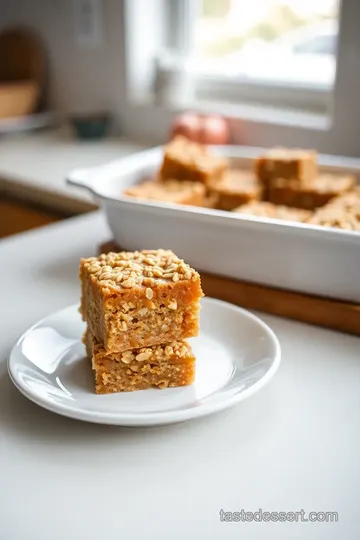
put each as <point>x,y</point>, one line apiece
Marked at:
<point>300,516</point>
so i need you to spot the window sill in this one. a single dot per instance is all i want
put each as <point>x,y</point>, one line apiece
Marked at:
<point>265,114</point>
<point>149,121</point>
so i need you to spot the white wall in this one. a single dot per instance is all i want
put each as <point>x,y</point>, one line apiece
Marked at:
<point>80,79</point>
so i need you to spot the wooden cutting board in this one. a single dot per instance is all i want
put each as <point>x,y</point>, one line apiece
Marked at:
<point>334,314</point>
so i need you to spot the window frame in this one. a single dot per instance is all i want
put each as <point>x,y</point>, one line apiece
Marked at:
<point>338,133</point>
<point>309,97</point>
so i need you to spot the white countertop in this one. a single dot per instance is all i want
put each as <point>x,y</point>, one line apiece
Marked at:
<point>34,166</point>
<point>294,445</point>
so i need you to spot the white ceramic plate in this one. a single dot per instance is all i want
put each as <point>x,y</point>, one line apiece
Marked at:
<point>237,354</point>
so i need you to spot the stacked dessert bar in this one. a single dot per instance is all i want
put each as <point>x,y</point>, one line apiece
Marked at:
<point>185,175</point>
<point>223,188</point>
<point>139,308</point>
<point>290,177</point>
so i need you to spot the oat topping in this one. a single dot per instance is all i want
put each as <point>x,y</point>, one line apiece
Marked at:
<point>193,154</point>
<point>336,217</point>
<point>179,349</point>
<point>139,268</point>
<point>289,154</point>
<point>269,210</point>
<point>324,183</point>
<point>141,357</point>
<point>188,150</point>
<point>149,293</point>
<point>168,190</point>
<point>235,181</point>
<point>349,201</point>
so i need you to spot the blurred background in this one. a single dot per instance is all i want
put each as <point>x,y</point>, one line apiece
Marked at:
<point>293,40</point>
<point>86,81</point>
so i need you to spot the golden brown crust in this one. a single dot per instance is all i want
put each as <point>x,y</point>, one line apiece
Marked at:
<point>187,160</point>
<point>287,155</point>
<point>336,218</point>
<point>342,212</point>
<point>119,272</point>
<point>286,163</point>
<point>139,299</point>
<point>272,211</point>
<point>235,188</point>
<point>309,195</point>
<point>162,366</point>
<point>174,191</point>
<point>350,201</point>
<point>211,200</point>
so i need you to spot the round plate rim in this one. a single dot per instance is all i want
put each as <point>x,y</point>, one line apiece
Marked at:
<point>160,417</point>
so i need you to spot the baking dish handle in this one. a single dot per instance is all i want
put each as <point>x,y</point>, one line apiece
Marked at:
<point>81,178</point>
<point>88,177</point>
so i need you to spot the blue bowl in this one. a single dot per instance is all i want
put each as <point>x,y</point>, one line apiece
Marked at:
<point>92,126</point>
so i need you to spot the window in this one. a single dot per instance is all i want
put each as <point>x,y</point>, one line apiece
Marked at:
<point>262,51</point>
<point>275,40</point>
<point>283,71</point>
<point>319,45</point>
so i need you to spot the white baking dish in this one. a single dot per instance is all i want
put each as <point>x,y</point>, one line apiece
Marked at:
<point>299,257</point>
